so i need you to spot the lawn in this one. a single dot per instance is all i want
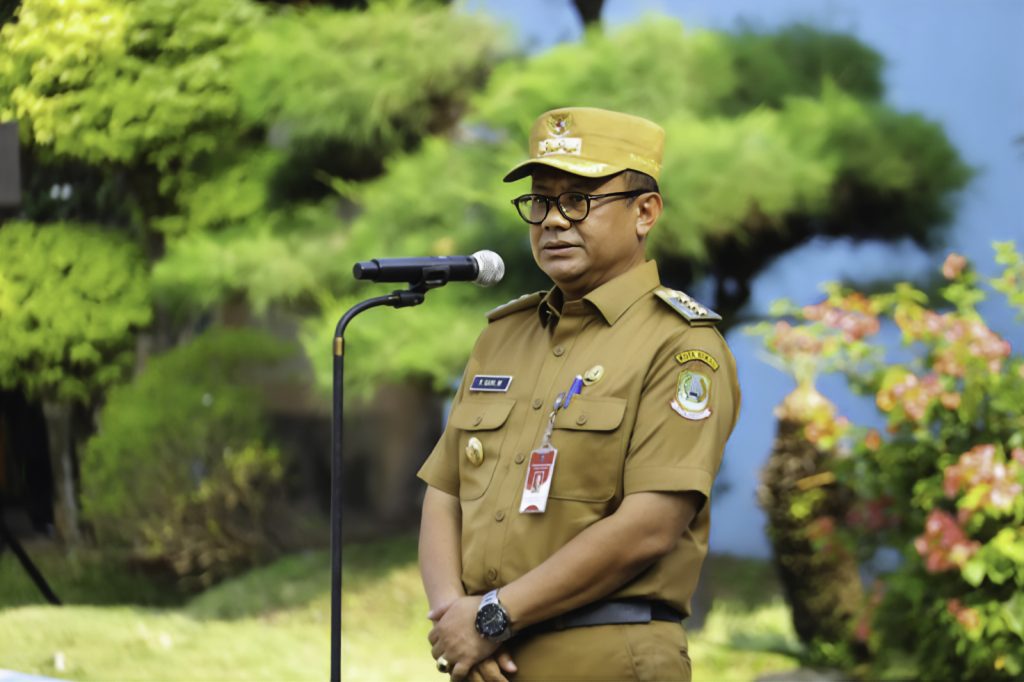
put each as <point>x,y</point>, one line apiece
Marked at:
<point>273,623</point>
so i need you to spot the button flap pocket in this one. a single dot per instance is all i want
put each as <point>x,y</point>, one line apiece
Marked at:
<point>591,414</point>
<point>481,415</point>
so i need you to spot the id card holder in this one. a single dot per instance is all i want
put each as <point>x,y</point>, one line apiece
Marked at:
<point>538,480</point>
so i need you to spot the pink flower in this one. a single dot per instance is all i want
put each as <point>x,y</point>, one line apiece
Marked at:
<point>968,618</point>
<point>978,467</point>
<point>954,265</point>
<point>944,545</point>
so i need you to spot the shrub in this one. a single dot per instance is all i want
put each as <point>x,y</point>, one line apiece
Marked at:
<point>179,469</point>
<point>943,485</point>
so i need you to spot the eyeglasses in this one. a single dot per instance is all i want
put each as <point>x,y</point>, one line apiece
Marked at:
<point>574,206</point>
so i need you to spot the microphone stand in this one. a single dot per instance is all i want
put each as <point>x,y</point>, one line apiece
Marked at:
<point>414,295</point>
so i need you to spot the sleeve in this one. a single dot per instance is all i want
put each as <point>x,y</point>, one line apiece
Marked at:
<point>441,468</point>
<point>688,406</point>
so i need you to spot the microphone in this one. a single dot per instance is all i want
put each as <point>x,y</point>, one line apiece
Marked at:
<point>483,268</point>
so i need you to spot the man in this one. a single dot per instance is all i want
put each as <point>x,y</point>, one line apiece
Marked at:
<point>566,517</point>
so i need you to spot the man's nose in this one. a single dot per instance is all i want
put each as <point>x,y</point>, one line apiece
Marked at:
<point>554,220</point>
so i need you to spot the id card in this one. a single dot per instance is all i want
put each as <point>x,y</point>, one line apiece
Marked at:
<point>538,481</point>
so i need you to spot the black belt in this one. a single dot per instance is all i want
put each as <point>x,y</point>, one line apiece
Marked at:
<point>611,612</point>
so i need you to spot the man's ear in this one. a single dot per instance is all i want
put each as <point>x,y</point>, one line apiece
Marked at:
<point>648,209</point>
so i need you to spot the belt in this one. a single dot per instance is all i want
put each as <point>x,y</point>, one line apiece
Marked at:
<point>611,612</point>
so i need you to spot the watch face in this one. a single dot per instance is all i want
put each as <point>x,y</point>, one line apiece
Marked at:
<point>491,620</point>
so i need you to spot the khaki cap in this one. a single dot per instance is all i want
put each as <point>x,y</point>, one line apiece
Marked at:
<point>593,143</point>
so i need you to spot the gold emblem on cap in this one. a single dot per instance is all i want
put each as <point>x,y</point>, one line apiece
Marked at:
<point>559,124</point>
<point>593,375</point>
<point>475,451</point>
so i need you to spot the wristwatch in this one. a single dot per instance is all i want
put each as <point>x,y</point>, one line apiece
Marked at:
<point>492,621</point>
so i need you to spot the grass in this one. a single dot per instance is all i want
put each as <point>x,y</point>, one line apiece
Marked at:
<point>273,623</point>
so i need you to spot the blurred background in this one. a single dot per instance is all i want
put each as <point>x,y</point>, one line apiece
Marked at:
<point>184,187</point>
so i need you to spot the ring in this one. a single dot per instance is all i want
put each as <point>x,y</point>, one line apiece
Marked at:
<point>442,664</point>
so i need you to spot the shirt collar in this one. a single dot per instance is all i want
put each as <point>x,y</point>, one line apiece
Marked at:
<point>611,299</point>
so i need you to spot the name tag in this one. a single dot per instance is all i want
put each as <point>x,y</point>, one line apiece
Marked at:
<point>494,384</point>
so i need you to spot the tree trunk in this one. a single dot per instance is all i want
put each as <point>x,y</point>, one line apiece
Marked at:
<point>589,11</point>
<point>60,427</point>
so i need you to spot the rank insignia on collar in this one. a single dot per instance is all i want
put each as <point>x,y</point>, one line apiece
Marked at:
<point>693,392</point>
<point>687,306</point>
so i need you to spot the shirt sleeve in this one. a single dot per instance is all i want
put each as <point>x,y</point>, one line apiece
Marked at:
<point>688,407</point>
<point>441,468</point>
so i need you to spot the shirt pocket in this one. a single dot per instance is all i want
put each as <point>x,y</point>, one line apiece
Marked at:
<point>485,421</point>
<point>590,449</point>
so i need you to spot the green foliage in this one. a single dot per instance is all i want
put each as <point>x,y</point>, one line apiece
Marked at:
<point>71,298</point>
<point>178,470</point>
<point>944,487</point>
<point>798,60</point>
<point>374,80</point>
<point>104,81</point>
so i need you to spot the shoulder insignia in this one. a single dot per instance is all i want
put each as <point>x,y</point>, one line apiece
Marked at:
<point>515,305</point>
<point>695,313</point>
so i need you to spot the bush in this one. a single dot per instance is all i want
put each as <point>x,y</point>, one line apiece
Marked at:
<point>179,470</point>
<point>943,485</point>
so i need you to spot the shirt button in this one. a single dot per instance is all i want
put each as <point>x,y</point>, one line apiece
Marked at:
<point>581,420</point>
<point>537,403</point>
<point>500,516</point>
<point>520,458</point>
<point>477,420</point>
<point>558,351</point>
<point>492,575</point>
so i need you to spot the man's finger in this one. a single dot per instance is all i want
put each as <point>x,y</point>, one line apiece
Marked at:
<point>460,671</point>
<point>506,662</point>
<point>489,671</point>
<point>437,614</point>
<point>436,651</point>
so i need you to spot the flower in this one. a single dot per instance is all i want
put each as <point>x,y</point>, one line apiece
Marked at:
<point>944,545</point>
<point>953,266</point>
<point>978,467</point>
<point>852,315</point>
<point>873,440</point>
<point>969,618</point>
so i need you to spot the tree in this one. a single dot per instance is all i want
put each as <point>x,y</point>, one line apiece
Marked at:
<point>71,298</point>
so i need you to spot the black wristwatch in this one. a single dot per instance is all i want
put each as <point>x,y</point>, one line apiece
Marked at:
<point>492,621</point>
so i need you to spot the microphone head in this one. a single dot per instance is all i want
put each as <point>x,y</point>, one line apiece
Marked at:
<point>490,266</point>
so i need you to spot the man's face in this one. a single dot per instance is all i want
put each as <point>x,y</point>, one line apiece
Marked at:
<point>581,256</point>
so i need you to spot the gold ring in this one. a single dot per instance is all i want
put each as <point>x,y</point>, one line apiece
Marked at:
<point>442,664</point>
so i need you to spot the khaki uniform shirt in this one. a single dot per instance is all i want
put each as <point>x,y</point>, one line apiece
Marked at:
<point>641,427</point>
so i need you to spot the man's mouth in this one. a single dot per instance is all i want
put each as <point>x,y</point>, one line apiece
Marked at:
<point>558,247</point>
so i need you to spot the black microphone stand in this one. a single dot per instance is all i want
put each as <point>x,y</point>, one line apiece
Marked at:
<point>414,295</point>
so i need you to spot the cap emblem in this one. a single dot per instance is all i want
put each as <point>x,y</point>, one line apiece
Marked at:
<point>560,145</point>
<point>559,124</point>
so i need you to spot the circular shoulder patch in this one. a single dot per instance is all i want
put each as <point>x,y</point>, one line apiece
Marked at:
<point>693,392</point>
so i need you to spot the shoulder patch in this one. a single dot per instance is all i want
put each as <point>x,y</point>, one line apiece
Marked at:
<point>515,305</point>
<point>694,313</point>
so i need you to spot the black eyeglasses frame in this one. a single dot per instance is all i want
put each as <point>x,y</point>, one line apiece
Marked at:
<point>548,200</point>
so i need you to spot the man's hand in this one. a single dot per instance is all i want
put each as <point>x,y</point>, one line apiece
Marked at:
<point>454,636</point>
<point>492,669</point>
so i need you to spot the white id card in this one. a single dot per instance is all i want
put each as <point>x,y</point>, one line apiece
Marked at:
<point>538,481</point>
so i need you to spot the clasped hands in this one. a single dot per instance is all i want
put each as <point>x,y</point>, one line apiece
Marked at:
<point>469,656</point>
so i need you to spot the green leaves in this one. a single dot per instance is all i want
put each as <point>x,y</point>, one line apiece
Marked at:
<point>71,297</point>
